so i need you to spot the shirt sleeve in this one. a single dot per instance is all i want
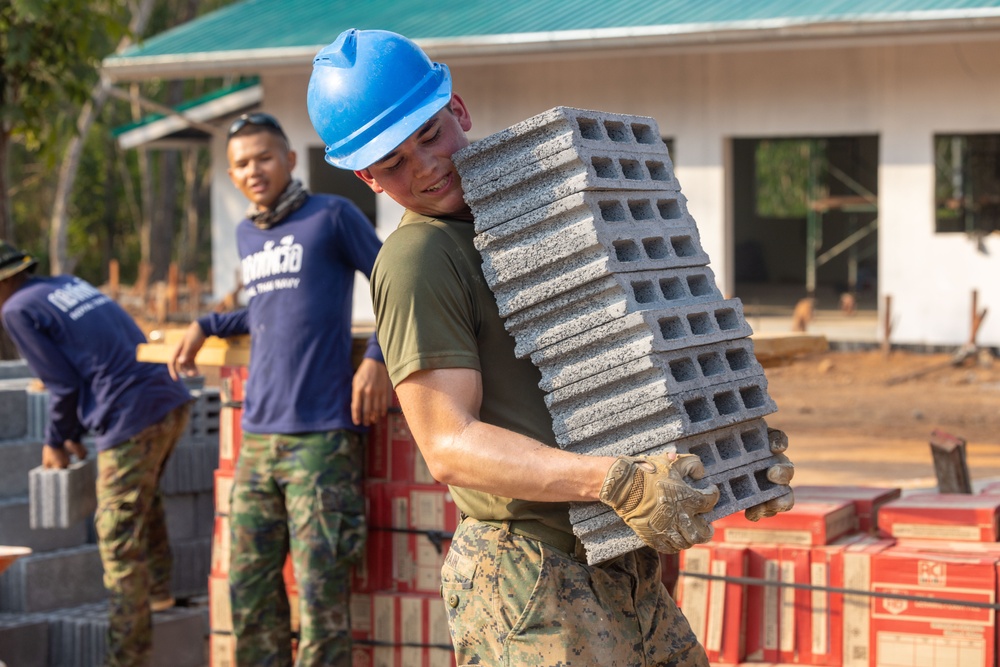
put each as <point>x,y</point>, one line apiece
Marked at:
<point>223,325</point>
<point>357,239</point>
<point>424,304</point>
<point>52,367</point>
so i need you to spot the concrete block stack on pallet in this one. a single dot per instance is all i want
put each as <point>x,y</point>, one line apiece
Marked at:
<point>52,605</point>
<point>925,568</point>
<point>599,273</point>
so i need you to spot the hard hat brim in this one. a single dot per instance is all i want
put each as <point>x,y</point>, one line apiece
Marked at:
<point>389,139</point>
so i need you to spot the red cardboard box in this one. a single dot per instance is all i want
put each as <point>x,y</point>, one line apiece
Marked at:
<point>409,530</point>
<point>763,604</point>
<point>393,454</point>
<point>857,575</point>
<point>220,547</point>
<point>715,609</point>
<point>223,491</point>
<point>942,516</point>
<point>909,632</point>
<point>867,500</point>
<point>807,523</point>
<point>220,611</point>
<point>222,650</point>
<point>410,631</point>
<point>230,436</point>
<point>233,379</point>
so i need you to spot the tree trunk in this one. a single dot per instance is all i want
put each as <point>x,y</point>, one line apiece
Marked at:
<point>165,214</point>
<point>6,224</point>
<point>189,232</point>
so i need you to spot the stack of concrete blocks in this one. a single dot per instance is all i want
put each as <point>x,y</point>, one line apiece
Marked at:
<point>52,609</point>
<point>599,274</point>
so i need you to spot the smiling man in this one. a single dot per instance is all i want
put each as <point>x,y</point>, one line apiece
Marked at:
<point>297,482</point>
<point>517,585</point>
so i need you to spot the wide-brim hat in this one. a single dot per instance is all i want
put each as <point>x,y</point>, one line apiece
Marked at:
<point>13,261</point>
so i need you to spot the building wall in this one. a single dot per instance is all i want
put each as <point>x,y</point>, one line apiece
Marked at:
<point>903,93</point>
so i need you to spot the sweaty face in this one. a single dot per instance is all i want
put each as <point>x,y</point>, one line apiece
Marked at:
<point>419,174</point>
<point>260,165</point>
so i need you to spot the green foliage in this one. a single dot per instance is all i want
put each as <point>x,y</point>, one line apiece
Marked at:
<point>49,53</point>
<point>782,168</point>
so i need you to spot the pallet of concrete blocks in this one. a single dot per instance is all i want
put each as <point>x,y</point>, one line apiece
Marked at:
<point>599,273</point>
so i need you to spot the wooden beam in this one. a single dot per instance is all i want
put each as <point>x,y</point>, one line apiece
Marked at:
<point>950,464</point>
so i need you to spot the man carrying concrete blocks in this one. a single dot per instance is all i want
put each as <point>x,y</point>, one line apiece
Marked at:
<point>516,580</point>
<point>82,345</point>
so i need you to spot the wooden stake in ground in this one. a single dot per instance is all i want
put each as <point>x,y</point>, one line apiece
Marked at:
<point>950,465</point>
<point>887,326</point>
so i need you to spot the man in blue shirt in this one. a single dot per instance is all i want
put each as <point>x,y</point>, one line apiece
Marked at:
<point>82,345</point>
<point>297,482</point>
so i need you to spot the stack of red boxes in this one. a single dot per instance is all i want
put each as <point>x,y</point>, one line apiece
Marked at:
<point>398,616</point>
<point>820,544</point>
<point>222,646</point>
<point>946,549</point>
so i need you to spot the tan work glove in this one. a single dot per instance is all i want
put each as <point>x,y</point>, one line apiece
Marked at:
<point>650,494</point>
<point>779,473</point>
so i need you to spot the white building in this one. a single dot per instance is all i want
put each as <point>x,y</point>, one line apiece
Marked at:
<point>897,109</point>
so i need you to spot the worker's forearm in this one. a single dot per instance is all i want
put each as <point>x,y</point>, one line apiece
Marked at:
<point>503,463</point>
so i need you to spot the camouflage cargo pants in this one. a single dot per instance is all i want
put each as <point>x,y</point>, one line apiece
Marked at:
<point>513,601</point>
<point>132,535</point>
<point>299,494</point>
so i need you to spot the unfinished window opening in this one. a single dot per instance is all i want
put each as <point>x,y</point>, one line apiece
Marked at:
<point>967,183</point>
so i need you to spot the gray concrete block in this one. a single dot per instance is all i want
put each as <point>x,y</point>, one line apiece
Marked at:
<point>656,376</point>
<point>52,580</point>
<point>13,408</point>
<point>600,301</point>
<point>192,566</point>
<point>552,132</point>
<point>19,457</point>
<point>61,498</point>
<point>637,334</point>
<point>606,536</point>
<point>189,515</point>
<point>719,450</point>
<point>16,368</point>
<point>38,413</point>
<point>190,468</point>
<point>671,417</point>
<point>24,641</point>
<point>15,529</point>
<point>204,419</point>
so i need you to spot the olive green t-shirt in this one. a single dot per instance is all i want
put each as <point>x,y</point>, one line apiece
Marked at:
<point>433,309</point>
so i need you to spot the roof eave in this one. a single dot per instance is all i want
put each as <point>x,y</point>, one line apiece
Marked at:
<point>716,36</point>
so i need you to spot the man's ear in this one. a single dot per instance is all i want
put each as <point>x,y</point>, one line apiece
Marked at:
<point>369,180</point>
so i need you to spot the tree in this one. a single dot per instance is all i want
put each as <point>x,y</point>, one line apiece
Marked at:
<point>49,53</point>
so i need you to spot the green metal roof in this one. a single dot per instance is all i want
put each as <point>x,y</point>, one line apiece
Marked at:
<point>275,25</point>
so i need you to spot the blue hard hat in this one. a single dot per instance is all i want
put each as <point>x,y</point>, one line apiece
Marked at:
<point>369,91</point>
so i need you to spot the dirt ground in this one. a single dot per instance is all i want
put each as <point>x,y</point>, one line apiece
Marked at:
<point>855,418</point>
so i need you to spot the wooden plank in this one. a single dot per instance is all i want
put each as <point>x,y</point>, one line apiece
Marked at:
<point>769,348</point>
<point>950,464</point>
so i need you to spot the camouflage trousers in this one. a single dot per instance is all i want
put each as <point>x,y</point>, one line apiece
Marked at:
<point>514,601</point>
<point>298,494</point>
<point>132,535</point>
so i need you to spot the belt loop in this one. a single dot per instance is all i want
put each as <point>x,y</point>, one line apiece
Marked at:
<point>505,530</point>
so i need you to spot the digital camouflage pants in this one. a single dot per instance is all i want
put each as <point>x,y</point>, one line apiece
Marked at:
<point>299,494</point>
<point>513,601</point>
<point>132,536</point>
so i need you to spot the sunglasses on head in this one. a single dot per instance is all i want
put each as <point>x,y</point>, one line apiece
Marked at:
<point>259,119</point>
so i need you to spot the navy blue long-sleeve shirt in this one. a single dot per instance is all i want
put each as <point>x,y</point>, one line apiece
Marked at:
<point>82,345</point>
<point>299,281</point>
